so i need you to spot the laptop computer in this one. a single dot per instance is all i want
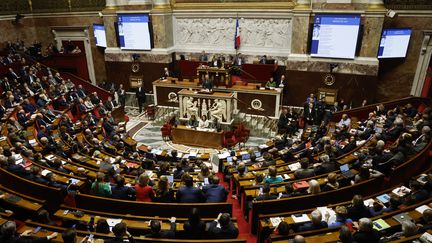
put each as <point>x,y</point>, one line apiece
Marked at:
<point>257,154</point>
<point>170,178</point>
<point>402,217</point>
<point>346,172</point>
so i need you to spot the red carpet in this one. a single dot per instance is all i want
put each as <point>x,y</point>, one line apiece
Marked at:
<point>243,226</point>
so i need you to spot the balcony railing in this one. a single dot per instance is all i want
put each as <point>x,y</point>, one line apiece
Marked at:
<point>49,6</point>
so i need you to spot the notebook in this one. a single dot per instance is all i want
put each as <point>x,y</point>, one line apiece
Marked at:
<point>384,198</point>
<point>380,224</point>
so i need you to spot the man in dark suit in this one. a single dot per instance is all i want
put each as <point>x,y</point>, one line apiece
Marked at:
<point>223,228</point>
<point>304,171</point>
<point>166,73</point>
<point>110,104</point>
<point>207,83</point>
<point>120,232</point>
<point>189,193</point>
<point>141,97</point>
<point>12,75</point>
<point>215,192</point>
<point>327,165</point>
<point>6,85</point>
<point>310,113</point>
<point>316,222</point>
<point>366,233</point>
<point>23,120</point>
<point>80,91</point>
<point>283,121</point>
<point>156,232</point>
<point>29,107</point>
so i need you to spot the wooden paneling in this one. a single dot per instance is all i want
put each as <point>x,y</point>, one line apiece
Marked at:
<point>119,72</point>
<point>351,88</point>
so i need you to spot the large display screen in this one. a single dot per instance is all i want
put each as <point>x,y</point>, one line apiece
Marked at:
<point>99,34</point>
<point>394,43</point>
<point>335,35</point>
<point>134,31</point>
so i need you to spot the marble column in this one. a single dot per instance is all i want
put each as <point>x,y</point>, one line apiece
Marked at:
<point>373,24</point>
<point>300,29</point>
<point>162,21</point>
<point>109,18</point>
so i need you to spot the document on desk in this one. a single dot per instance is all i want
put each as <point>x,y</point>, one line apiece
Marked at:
<point>401,191</point>
<point>380,224</point>
<point>422,208</point>
<point>300,219</point>
<point>113,222</point>
<point>294,167</point>
<point>275,221</point>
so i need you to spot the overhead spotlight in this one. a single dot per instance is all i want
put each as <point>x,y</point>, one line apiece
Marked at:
<point>333,67</point>
<point>391,13</point>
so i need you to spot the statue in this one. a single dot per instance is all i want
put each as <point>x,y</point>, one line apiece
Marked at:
<point>204,110</point>
<point>218,110</point>
<point>191,107</point>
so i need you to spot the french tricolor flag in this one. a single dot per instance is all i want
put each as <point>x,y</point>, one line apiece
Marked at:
<point>237,36</point>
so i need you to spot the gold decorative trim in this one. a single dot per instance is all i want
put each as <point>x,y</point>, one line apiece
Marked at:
<point>376,6</point>
<point>302,7</point>
<point>165,6</point>
<point>234,5</point>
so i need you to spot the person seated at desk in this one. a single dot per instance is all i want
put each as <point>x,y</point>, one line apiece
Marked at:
<point>207,83</point>
<point>203,57</point>
<point>263,60</point>
<point>204,122</point>
<point>166,73</point>
<point>271,83</point>
<point>193,122</point>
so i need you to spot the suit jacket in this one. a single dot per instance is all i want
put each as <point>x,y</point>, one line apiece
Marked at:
<point>110,105</point>
<point>207,84</point>
<point>164,233</point>
<point>190,195</point>
<point>310,226</point>
<point>215,193</point>
<point>140,94</point>
<point>367,237</point>
<point>229,232</point>
<point>304,173</point>
<point>29,108</point>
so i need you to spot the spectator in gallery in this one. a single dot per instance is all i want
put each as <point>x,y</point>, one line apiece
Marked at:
<point>271,83</point>
<point>141,96</point>
<point>203,57</point>
<point>192,122</point>
<point>76,50</point>
<point>207,83</point>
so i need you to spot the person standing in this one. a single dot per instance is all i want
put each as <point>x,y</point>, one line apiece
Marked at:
<point>121,93</point>
<point>141,97</point>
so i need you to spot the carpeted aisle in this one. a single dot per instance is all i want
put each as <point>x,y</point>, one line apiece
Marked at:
<point>243,225</point>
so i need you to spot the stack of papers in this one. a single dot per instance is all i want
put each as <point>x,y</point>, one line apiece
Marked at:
<point>45,172</point>
<point>324,211</point>
<point>263,146</point>
<point>421,209</point>
<point>275,221</point>
<point>401,191</point>
<point>286,176</point>
<point>149,173</point>
<point>295,166</point>
<point>33,142</point>
<point>300,219</point>
<point>369,202</point>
